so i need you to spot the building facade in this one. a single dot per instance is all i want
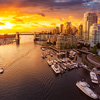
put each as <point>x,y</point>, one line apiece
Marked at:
<point>61,28</point>
<point>66,41</point>
<point>89,19</point>
<point>94,34</point>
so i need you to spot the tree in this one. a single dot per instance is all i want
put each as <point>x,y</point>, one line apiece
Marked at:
<point>73,46</point>
<point>98,45</point>
<point>94,50</point>
<point>65,46</point>
<point>60,46</point>
<point>54,43</point>
<point>69,46</point>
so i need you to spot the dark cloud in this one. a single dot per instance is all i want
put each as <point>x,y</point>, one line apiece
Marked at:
<point>51,5</point>
<point>41,14</point>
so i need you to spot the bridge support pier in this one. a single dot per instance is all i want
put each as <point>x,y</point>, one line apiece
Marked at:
<point>17,38</point>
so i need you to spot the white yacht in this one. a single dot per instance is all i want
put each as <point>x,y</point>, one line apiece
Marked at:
<point>55,69</point>
<point>84,86</point>
<point>93,77</point>
<point>1,70</point>
<point>50,62</point>
<point>43,49</point>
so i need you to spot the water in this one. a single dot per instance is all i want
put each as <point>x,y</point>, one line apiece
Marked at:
<point>28,77</point>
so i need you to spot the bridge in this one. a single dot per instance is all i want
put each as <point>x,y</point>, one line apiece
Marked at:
<point>26,33</point>
<point>18,34</point>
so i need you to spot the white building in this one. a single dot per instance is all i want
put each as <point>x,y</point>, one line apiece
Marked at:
<point>89,19</point>
<point>94,34</point>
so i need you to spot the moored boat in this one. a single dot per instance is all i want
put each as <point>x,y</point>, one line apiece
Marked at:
<point>60,68</point>
<point>55,69</point>
<point>43,49</point>
<point>63,66</point>
<point>43,56</point>
<point>93,77</point>
<point>1,70</point>
<point>50,62</point>
<point>84,87</point>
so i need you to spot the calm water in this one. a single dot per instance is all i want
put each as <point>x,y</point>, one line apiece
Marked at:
<point>28,77</point>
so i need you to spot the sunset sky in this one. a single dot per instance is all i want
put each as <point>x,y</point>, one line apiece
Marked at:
<point>38,15</point>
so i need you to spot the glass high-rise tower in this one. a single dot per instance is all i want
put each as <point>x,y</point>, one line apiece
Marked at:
<point>89,19</point>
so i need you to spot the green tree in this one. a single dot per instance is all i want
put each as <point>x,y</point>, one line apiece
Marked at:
<point>69,46</point>
<point>98,45</point>
<point>54,43</point>
<point>94,50</point>
<point>61,47</point>
<point>65,46</point>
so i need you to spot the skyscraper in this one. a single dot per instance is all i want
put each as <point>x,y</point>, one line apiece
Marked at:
<point>67,28</point>
<point>62,28</point>
<point>57,30</point>
<point>94,34</point>
<point>80,31</point>
<point>89,19</point>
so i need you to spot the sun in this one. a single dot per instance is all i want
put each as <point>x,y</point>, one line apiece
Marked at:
<point>6,26</point>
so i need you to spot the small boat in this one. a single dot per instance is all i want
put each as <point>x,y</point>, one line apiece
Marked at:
<point>55,61</point>
<point>1,70</point>
<point>93,77</point>
<point>75,65</point>
<point>55,69</point>
<point>43,49</point>
<point>43,56</point>
<point>69,66</point>
<point>50,62</point>
<point>51,55</point>
<point>59,60</point>
<point>85,67</point>
<point>84,87</point>
<point>72,66</point>
<point>63,66</point>
<point>60,68</point>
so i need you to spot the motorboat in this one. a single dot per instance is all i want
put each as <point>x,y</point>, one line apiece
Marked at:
<point>1,70</point>
<point>85,66</point>
<point>85,87</point>
<point>51,55</point>
<point>60,68</point>
<point>55,68</point>
<point>68,66</point>
<point>43,55</point>
<point>50,62</point>
<point>43,49</point>
<point>63,60</point>
<point>55,61</point>
<point>63,66</point>
<point>93,77</point>
<point>75,65</point>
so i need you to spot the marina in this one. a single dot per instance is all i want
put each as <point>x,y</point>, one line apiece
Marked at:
<point>60,65</point>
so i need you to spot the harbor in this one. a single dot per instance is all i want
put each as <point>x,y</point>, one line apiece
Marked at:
<point>60,65</point>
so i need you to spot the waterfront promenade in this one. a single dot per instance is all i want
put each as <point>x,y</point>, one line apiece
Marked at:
<point>91,59</point>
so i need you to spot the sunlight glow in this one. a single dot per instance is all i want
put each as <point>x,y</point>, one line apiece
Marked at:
<point>6,26</point>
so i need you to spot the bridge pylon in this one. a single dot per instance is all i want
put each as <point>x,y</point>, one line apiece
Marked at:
<point>17,38</point>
